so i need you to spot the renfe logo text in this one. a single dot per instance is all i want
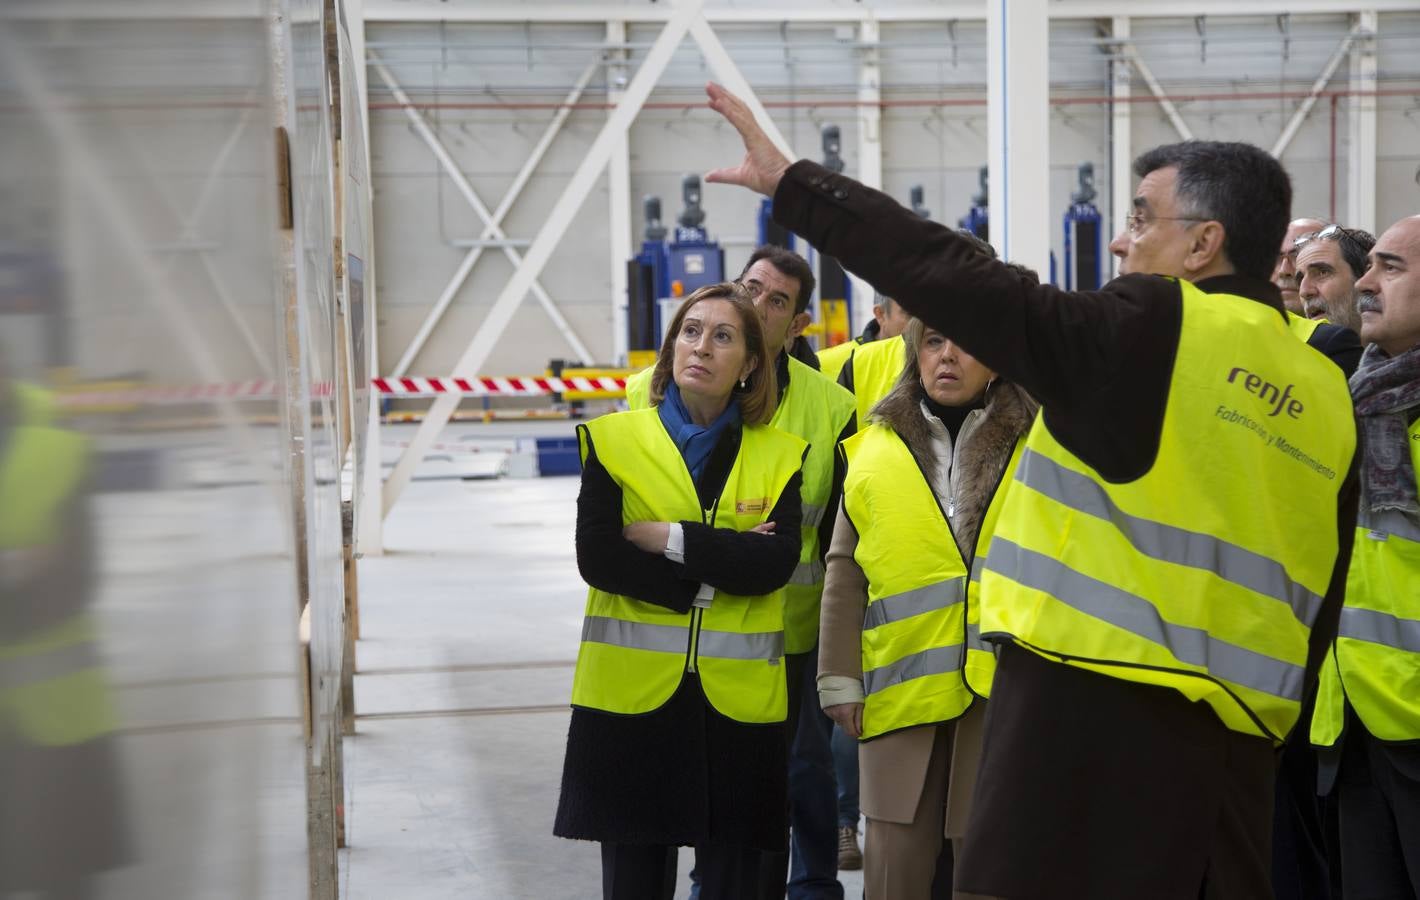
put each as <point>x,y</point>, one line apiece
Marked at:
<point>1279,399</point>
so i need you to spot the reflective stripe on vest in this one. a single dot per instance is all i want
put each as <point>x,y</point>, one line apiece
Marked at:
<point>1167,543</point>
<point>634,654</point>
<point>1374,666</point>
<point>915,621</point>
<point>1140,617</point>
<point>876,367</point>
<point>1195,575</point>
<point>915,602</point>
<point>675,639</point>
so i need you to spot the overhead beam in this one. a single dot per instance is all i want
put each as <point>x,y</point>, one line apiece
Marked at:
<point>455,283</point>
<point>729,75</point>
<point>965,10</point>
<point>492,228</point>
<point>1300,116</point>
<point>1121,87</point>
<point>1184,132</point>
<point>1361,159</point>
<point>554,228</point>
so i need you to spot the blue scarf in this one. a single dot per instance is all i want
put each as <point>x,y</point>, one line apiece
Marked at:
<point>695,442</point>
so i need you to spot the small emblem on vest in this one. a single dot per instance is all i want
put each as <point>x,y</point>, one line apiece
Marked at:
<point>751,507</point>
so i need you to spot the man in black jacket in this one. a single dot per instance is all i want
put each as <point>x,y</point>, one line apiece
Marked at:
<point>1092,786</point>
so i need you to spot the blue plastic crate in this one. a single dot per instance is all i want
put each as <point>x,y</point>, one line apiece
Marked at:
<point>558,456</point>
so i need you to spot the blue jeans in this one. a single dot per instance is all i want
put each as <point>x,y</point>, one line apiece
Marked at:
<point>845,767</point>
<point>813,793</point>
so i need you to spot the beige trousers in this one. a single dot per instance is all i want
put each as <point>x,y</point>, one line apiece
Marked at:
<point>898,859</point>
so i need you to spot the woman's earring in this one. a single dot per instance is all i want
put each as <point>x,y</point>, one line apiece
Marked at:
<point>742,384</point>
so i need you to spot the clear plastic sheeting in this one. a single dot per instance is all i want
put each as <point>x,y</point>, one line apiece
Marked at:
<point>152,741</point>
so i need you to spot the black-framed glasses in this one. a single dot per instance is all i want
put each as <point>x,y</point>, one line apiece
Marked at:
<point>1136,221</point>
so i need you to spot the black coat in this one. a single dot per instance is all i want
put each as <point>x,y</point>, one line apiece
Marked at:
<point>683,774</point>
<point>1090,787</point>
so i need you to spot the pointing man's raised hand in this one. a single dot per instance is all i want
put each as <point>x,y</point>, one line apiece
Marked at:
<point>763,164</point>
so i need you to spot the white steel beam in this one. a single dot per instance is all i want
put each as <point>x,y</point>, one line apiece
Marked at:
<point>1121,88</point>
<point>470,259</point>
<point>492,228</point>
<point>965,10</point>
<point>548,237</point>
<point>618,174</point>
<point>1300,116</point>
<point>1361,159</point>
<point>1018,130</point>
<point>1184,132</point>
<point>729,75</point>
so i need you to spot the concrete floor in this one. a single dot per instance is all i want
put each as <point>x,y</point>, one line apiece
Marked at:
<point>469,629</point>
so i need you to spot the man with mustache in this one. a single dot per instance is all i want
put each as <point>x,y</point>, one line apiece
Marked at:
<point>1329,262</point>
<point>1367,718</point>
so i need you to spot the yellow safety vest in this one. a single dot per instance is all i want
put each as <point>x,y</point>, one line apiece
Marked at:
<point>1303,327</point>
<point>876,367</point>
<point>1194,576</point>
<point>634,654</point>
<point>816,409</point>
<point>638,389</point>
<point>1375,662</point>
<point>51,686</point>
<point>923,658</point>
<point>831,359</point>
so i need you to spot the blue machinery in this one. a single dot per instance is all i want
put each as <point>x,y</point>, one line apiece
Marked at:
<point>1084,229</point>
<point>978,221</point>
<point>669,270</point>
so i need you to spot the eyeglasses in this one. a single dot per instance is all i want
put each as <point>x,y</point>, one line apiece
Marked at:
<point>1136,221</point>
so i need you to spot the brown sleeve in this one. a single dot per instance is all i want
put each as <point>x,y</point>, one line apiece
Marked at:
<point>845,599</point>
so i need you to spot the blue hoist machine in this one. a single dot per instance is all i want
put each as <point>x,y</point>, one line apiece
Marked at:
<point>664,272</point>
<point>978,221</point>
<point>1084,237</point>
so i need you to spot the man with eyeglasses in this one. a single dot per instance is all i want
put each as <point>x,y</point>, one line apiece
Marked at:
<point>1284,275</point>
<point>1328,264</point>
<point>1367,720</point>
<point>1166,570</point>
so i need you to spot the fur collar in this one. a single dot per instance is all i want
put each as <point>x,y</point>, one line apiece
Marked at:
<point>983,447</point>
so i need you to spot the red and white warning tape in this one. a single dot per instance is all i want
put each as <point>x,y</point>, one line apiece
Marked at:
<point>385,387</point>
<point>490,387</point>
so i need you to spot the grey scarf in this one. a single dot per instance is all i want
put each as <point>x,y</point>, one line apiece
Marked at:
<point>1385,388</point>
